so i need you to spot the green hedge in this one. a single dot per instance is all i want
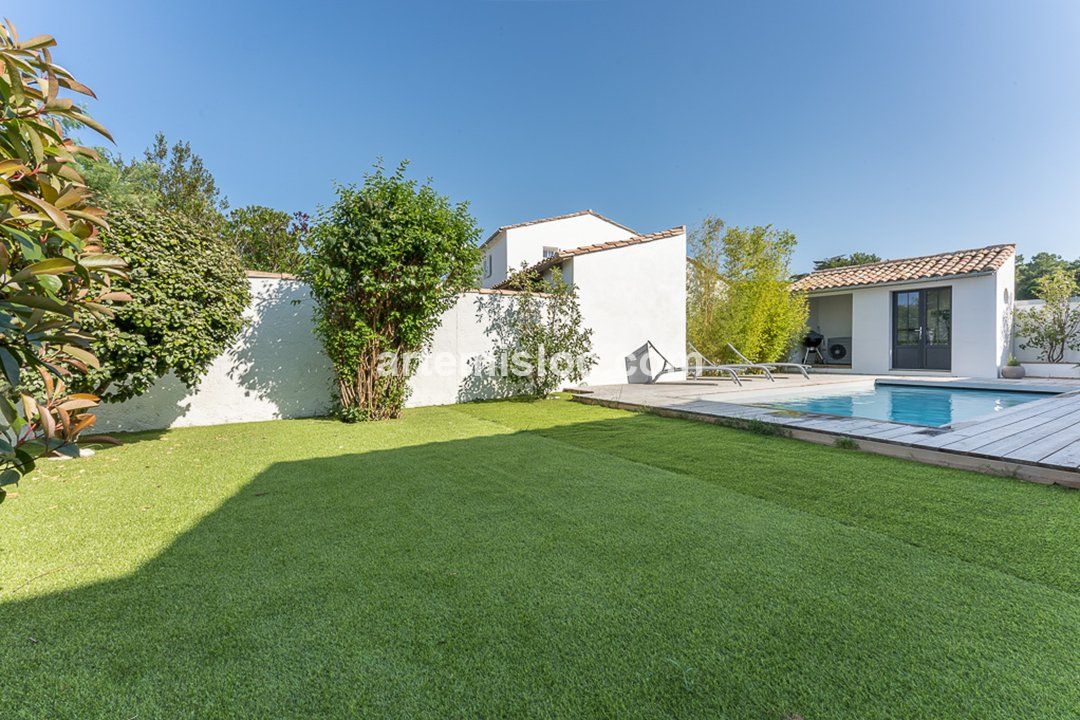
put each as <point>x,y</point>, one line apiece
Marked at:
<point>189,291</point>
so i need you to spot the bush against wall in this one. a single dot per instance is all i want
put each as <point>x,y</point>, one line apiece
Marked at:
<point>52,269</point>
<point>1053,327</point>
<point>188,292</point>
<point>539,337</point>
<point>386,260</point>
<point>739,292</point>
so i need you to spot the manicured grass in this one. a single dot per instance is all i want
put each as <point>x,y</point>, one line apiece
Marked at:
<point>531,559</point>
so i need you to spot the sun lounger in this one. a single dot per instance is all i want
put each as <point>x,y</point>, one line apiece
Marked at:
<point>668,367</point>
<point>778,366</point>
<point>708,365</point>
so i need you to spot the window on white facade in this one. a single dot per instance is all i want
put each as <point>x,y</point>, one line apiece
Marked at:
<point>550,252</point>
<point>487,266</point>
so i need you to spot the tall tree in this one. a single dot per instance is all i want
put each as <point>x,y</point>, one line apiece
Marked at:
<point>739,291</point>
<point>183,182</point>
<point>169,177</point>
<point>855,258</point>
<point>386,260</point>
<point>267,239</point>
<point>1030,272</point>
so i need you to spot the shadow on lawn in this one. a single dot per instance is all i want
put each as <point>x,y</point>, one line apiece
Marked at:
<point>510,575</point>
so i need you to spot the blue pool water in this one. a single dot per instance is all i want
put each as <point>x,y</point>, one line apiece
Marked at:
<point>914,405</point>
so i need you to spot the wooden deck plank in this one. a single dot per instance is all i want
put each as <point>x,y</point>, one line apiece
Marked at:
<point>878,429</point>
<point>843,427</point>
<point>1019,413</point>
<point>895,431</point>
<point>1045,446</point>
<point>917,436</point>
<point>998,427</point>
<point>1003,441</point>
<point>985,433</point>
<point>1068,456</point>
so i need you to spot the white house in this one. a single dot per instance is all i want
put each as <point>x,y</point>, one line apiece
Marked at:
<point>946,313</point>
<point>631,286</point>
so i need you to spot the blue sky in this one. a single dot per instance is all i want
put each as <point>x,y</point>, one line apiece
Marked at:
<point>901,129</point>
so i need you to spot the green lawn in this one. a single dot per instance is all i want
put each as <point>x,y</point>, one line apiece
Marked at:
<point>531,560</point>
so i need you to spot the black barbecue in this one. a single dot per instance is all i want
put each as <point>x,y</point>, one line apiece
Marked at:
<point>812,343</point>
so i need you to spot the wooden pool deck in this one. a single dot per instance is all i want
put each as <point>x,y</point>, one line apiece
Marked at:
<point>1038,440</point>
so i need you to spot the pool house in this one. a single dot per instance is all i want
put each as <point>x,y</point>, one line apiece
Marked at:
<point>944,314</point>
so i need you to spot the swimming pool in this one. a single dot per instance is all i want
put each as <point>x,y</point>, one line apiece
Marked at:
<point>912,404</point>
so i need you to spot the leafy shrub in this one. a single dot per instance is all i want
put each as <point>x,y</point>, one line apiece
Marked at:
<point>386,260</point>
<point>52,268</point>
<point>188,293</point>
<point>1054,326</point>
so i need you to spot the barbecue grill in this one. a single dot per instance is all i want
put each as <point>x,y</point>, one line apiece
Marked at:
<point>812,343</point>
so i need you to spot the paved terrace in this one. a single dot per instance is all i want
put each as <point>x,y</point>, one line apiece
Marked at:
<point>1039,440</point>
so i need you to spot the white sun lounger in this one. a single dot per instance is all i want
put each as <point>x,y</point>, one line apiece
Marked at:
<point>710,366</point>
<point>778,366</point>
<point>695,371</point>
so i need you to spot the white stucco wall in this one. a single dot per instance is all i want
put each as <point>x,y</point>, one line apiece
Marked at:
<point>631,295</point>
<point>494,267</point>
<point>1005,292</point>
<point>831,316</point>
<point>275,369</point>
<point>979,323</point>
<point>445,375</point>
<point>1031,356</point>
<point>525,245</point>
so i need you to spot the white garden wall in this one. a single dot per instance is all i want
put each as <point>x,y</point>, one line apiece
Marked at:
<point>277,369</point>
<point>1031,357</point>
<point>629,296</point>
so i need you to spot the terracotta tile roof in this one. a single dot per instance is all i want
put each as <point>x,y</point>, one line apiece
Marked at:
<point>551,219</point>
<point>950,264</point>
<point>563,255</point>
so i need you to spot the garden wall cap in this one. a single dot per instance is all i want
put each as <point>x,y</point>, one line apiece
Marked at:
<point>504,291</point>
<point>977,261</point>
<point>553,219</point>
<point>563,255</point>
<point>270,275</point>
